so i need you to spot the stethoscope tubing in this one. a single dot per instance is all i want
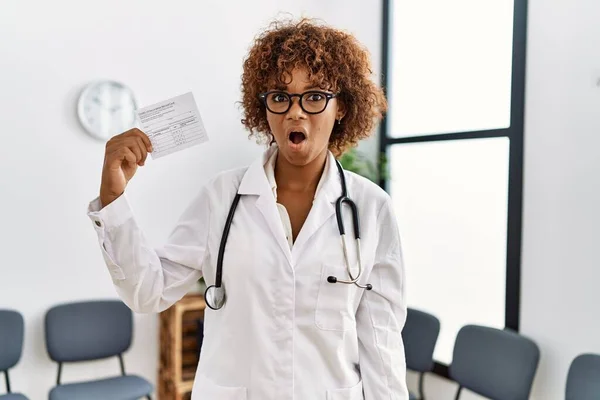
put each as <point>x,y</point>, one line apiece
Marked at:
<point>215,294</point>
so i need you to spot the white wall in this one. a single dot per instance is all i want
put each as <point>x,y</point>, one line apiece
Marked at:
<point>50,169</point>
<point>560,299</point>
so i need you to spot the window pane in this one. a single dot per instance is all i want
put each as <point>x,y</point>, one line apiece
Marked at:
<point>450,66</point>
<point>451,201</point>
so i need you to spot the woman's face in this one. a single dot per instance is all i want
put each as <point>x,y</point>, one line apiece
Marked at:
<point>301,136</point>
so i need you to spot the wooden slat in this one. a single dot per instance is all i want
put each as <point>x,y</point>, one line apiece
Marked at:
<point>188,342</point>
<point>188,358</point>
<point>188,374</point>
<point>179,347</point>
<point>186,387</point>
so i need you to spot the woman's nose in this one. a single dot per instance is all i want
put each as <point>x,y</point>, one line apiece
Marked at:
<point>295,110</point>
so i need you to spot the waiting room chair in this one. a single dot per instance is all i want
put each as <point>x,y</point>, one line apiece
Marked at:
<point>12,331</point>
<point>495,363</point>
<point>88,331</point>
<point>420,334</point>
<point>583,379</point>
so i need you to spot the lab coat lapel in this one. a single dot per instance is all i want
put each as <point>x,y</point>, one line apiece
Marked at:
<point>322,209</point>
<point>255,182</point>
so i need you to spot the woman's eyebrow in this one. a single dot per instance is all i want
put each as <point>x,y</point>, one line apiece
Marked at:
<point>284,88</point>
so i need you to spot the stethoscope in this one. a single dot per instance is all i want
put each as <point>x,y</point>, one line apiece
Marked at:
<point>215,294</point>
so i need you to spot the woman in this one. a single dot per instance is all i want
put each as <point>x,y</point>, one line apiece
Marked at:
<point>288,328</point>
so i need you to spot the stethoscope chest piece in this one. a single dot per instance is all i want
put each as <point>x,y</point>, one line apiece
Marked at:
<point>215,297</point>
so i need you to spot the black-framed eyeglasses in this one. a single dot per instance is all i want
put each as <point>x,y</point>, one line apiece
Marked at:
<point>311,102</point>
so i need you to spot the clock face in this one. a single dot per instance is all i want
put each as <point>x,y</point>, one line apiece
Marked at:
<point>106,108</point>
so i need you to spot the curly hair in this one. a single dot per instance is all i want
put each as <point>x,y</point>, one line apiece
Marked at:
<point>334,61</point>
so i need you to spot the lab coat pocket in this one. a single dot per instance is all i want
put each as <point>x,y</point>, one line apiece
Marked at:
<point>334,301</point>
<point>206,389</point>
<point>353,393</point>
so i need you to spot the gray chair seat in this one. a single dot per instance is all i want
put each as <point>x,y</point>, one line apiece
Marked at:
<point>12,332</point>
<point>13,396</point>
<point>93,330</point>
<point>495,363</point>
<point>420,334</point>
<point>583,379</point>
<point>129,387</point>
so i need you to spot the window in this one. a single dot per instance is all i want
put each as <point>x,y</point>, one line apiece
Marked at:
<point>450,66</point>
<point>453,137</point>
<point>451,201</point>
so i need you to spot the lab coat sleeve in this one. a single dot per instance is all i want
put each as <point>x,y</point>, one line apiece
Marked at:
<point>151,279</point>
<point>381,316</point>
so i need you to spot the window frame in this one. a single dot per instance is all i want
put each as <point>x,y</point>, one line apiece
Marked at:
<point>515,134</point>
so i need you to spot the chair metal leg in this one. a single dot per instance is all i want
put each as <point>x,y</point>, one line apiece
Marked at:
<point>458,393</point>
<point>59,373</point>
<point>7,381</point>
<point>122,364</point>
<point>421,385</point>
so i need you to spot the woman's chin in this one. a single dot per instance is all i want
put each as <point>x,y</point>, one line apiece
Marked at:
<point>296,153</point>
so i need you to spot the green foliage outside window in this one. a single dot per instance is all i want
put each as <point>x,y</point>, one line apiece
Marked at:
<point>355,161</point>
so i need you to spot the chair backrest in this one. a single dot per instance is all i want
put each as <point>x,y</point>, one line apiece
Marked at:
<point>12,331</point>
<point>420,334</point>
<point>495,363</point>
<point>88,330</point>
<point>583,380</point>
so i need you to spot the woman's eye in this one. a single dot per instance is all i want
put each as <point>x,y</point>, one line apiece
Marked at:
<point>315,97</point>
<point>279,98</point>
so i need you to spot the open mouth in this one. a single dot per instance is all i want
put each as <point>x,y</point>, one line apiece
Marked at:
<point>297,137</point>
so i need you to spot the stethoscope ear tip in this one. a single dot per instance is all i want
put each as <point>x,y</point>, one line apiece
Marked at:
<point>332,279</point>
<point>369,286</point>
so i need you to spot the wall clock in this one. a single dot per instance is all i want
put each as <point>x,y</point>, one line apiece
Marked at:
<point>106,108</point>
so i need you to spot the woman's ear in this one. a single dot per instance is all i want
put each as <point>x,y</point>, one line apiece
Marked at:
<point>341,109</point>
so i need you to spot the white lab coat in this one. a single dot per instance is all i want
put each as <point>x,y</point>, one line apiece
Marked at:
<point>285,333</point>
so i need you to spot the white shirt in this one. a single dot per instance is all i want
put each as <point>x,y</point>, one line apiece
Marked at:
<point>285,333</point>
<point>285,217</point>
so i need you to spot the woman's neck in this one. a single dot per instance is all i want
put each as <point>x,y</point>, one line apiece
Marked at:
<point>300,179</point>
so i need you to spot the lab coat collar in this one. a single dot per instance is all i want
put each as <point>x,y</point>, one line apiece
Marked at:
<point>255,180</point>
